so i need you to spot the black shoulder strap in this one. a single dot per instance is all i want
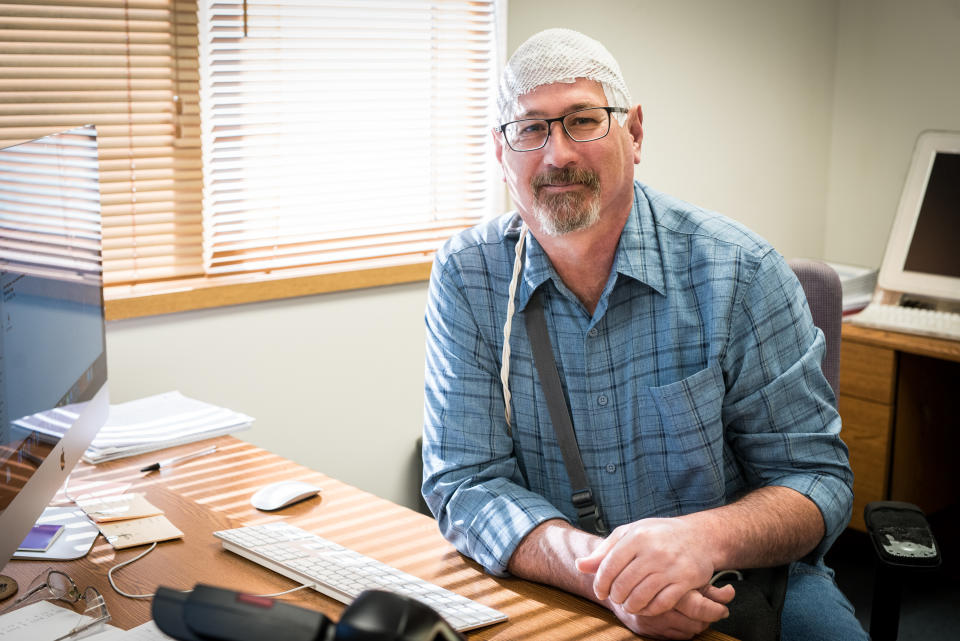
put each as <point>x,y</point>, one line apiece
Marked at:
<point>588,512</point>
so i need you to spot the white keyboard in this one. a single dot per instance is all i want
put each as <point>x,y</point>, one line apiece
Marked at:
<point>912,320</point>
<point>342,573</point>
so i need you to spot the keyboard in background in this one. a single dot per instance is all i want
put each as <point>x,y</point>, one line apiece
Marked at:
<point>912,320</point>
<point>342,573</point>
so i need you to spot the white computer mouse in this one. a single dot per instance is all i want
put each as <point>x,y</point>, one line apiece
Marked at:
<point>281,494</point>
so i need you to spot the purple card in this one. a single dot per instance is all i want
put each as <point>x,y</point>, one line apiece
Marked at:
<point>40,538</point>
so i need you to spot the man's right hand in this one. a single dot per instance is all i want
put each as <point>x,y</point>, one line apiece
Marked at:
<point>548,555</point>
<point>685,621</point>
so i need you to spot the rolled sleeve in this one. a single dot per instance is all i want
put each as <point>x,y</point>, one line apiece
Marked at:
<point>472,481</point>
<point>488,520</point>
<point>780,410</point>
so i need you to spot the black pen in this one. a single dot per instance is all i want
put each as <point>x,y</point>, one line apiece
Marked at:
<point>178,459</point>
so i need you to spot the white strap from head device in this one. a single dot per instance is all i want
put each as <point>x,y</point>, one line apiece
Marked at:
<point>508,324</point>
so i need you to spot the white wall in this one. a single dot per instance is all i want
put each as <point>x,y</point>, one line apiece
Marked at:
<point>335,382</point>
<point>898,73</point>
<point>736,98</point>
<point>796,118</point>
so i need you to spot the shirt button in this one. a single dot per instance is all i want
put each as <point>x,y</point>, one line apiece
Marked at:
<point>611,467</point>
<point>593,332</point>
<point>601,400</point>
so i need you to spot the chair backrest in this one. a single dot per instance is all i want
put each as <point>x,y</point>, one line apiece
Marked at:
<point>825,298</point>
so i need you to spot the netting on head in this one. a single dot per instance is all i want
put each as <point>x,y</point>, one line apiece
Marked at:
<point>559,55</point>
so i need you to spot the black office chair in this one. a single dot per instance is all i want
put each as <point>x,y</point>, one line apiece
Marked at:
<point>900,533</point>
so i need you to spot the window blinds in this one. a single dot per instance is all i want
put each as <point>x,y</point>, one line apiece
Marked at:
<point>338,131</point>
<point>334,133</point>
<point>49,208</point>
<point>130,68</point>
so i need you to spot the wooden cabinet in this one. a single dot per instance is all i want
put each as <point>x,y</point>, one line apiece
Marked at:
<point>899,400</point>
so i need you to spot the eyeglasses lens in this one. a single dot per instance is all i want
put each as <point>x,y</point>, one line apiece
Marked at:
<point>581,126</point>
<point>92,618</point>
<point>57,586</point>
<point>49,584</point>
<point>62,587</point>
<point>588,124</point>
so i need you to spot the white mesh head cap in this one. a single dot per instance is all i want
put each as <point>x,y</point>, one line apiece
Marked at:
<point>559,55</point>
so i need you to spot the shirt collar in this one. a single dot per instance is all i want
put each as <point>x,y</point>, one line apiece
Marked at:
<point>638,252</point>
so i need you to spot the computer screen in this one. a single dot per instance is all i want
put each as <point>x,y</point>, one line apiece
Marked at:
<point>921,257</point>
<point>52,348</point>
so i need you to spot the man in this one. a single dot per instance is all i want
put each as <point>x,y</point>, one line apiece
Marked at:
<point>690,366</point>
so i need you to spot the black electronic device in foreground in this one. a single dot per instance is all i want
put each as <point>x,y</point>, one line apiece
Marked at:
<point>904,543</point>
<point>901,534</point>
<point>214,614</point>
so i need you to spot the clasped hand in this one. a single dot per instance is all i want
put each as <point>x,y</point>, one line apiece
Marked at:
<point>658,568</point>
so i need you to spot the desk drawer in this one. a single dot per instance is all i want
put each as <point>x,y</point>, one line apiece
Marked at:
<point>867,431</point>
<point>867,372</point>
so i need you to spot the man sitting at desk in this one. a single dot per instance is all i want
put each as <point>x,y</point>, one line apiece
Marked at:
<point>689,362</point>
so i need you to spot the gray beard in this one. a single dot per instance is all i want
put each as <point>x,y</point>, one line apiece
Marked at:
<point>560,214</point>
<point>566,212</point>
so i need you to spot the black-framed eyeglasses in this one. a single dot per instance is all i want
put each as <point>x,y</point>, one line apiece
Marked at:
<point>582,125</point>
<point>55,585</point>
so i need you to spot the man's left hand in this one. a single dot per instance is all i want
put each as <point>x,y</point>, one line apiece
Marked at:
<point>648,566</point>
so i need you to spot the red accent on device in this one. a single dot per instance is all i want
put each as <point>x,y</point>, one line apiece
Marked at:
<point>259,601</point>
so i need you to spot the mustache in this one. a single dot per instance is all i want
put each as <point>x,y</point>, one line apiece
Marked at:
<point>565,176</point>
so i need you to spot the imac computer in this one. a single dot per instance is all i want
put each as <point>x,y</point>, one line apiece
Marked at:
<point>52,350</point>
<point>921,264</point>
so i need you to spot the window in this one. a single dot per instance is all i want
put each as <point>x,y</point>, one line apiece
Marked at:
<point>49,203</point>
<point>130,68</point>
<point>245,145</point>
<point>342,131</point>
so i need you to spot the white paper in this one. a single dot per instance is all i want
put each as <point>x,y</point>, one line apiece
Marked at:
<point>144,425</point>
<point>43,621</point>
<point>146,632</point>
<point>855,280</point>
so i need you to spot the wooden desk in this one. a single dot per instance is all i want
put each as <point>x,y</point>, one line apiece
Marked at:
<point>899,399</point>
<point>213,492</point>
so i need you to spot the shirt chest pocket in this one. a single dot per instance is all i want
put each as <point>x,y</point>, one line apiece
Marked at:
<point>681,440</point>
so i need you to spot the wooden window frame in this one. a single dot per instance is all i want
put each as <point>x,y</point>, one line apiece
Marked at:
<point>150,299</point>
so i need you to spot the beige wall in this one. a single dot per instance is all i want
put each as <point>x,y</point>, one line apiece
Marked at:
<point>796,118</point>
<point>736,98</point>
<point>335,382</point>
<point>897,74</point>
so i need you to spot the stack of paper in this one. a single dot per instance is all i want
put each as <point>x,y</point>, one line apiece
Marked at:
<point>857,284</point>
<point>144,425</point>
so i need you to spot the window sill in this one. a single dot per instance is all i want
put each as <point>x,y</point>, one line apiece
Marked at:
<point>136,301</point>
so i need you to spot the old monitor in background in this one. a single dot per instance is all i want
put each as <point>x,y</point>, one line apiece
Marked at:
<point>921,264</point>
<point>52,350</point>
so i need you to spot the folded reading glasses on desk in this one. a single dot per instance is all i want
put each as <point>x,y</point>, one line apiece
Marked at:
<point>54,585</point>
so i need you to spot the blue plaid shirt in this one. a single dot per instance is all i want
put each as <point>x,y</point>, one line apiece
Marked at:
<point>696,379</point>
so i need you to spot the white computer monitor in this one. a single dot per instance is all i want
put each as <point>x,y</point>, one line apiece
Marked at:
<point>52,348</point>
<point>922,259</point>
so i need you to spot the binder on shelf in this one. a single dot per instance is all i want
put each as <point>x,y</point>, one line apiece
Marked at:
<point>143,425</point>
